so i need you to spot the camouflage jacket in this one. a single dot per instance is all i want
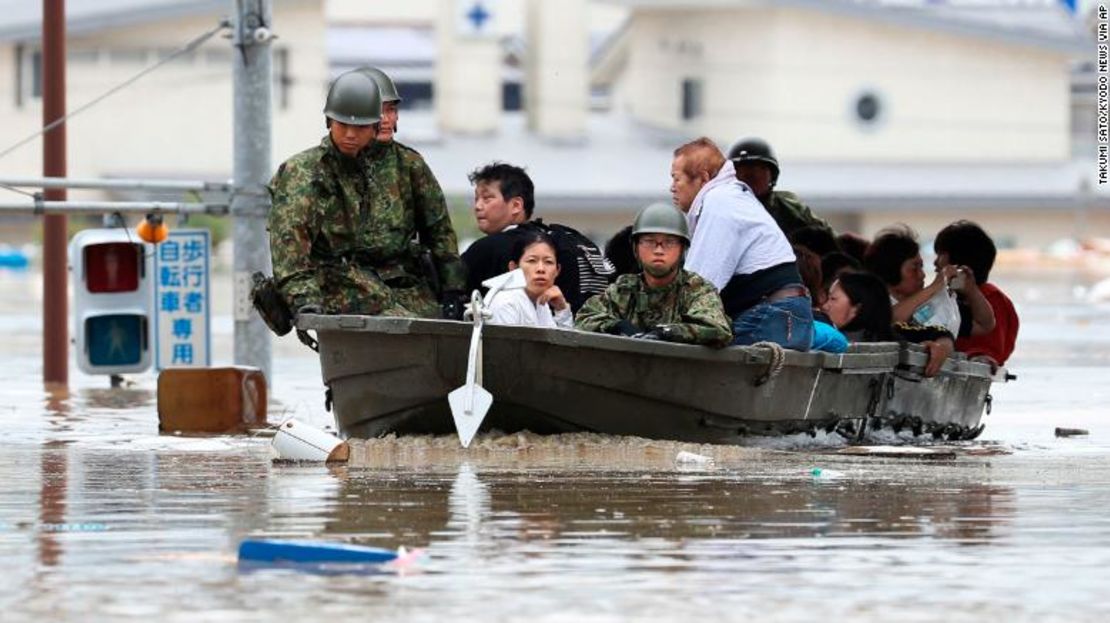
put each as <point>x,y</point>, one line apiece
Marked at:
<point>790,213</point>
<point>689,310</point>
<point>402,170</point>
<point>330,217</point>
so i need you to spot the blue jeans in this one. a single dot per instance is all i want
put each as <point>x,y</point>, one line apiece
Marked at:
<point>787,322</point>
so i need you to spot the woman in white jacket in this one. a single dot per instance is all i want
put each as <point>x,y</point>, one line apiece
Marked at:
<point>539,303</point>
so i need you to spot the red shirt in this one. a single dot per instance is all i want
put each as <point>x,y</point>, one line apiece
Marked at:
<point>999,343</point>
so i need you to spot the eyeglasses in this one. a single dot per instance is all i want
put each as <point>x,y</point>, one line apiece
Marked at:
<point>666,244</point>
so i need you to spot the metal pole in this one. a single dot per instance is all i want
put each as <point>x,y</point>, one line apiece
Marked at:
<point>250,203</point>
<point>111,207</point>
<point>55,308</point>
<point>115,184</point>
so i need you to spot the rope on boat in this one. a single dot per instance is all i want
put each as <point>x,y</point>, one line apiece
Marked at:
<point>778,358</point>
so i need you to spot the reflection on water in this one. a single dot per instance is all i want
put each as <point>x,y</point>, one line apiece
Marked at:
<point>103,519</point>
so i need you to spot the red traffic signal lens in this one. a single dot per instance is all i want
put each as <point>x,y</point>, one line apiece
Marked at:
<point>113,267</point>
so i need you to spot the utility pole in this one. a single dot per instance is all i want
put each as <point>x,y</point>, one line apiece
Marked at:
<point>55,308</point>
<point>250,200</point>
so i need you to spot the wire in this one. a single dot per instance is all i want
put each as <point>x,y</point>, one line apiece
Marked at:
<point>16,189</point>
<point>188,47</point>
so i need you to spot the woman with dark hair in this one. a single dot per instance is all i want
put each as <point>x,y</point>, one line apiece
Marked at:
<point>539,302</point>
<point>858,310</point>
<point>859,307</point>
<point>895,257</point>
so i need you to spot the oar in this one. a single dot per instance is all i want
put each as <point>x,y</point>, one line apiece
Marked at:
<point>470,402</point>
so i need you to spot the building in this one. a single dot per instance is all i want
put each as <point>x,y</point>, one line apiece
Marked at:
<point>880,112</point>
<point>175,122</point>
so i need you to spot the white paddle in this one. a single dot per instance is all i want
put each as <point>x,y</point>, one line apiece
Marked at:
<point>471,402</point>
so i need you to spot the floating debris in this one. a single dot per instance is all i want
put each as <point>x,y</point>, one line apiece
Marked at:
<point>297,441</point>
<point>311,552</point>
<point>902,452</point>
<point>691,458</point>
<point>1071,432</point>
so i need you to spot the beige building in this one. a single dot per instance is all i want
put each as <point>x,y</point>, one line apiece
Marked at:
<point>175,122</point>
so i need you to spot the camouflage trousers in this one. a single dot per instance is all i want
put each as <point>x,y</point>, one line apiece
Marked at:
<point>357,291</point>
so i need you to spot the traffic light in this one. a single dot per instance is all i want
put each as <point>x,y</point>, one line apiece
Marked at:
<point>113,300</point>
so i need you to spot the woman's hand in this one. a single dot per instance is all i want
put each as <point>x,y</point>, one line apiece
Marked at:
<point>553,296</point>
<point>938,350</point>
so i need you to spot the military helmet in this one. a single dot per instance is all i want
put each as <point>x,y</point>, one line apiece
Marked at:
<point>384,82</point>
<point>661,218</point>
<point>754,149</point>
<point>354,99</point>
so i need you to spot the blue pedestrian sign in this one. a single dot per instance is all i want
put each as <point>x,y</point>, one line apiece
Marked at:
<point>182,319</point>
<point>116,339</point>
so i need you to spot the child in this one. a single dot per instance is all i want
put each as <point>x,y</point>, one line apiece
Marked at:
<point>965,244</point>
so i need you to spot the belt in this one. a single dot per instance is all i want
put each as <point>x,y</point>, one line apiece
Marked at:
<point>786,292</point>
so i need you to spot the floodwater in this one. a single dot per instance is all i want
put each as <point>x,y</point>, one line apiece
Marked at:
<point>103,519</point>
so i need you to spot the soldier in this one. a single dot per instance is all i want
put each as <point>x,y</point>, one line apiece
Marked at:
<point>665,301</point>
<point>403,171</point>
<point>757,167</point>
<point>341,241</point>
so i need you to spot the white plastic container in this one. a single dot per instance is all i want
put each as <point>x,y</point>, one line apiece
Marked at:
<point>297,441</point>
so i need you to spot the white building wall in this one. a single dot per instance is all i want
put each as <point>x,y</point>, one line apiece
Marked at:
<point>511,14</point>
<point>177,120</point>
<point>793,77</point>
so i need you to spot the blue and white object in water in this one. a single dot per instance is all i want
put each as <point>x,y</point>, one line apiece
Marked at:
<point>274,551</point>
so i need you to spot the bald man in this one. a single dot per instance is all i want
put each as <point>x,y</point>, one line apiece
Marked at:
<point>737,247</point>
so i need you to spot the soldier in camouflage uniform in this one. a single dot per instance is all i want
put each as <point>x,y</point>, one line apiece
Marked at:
<point>757,167</point>
<point>403,171</point>
<point>664,302</point>
<point>342,241</point>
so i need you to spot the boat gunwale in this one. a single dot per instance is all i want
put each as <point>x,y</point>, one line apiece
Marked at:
<point>874,356</point>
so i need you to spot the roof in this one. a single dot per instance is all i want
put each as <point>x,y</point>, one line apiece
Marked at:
<point>1037,23</point>
<point>624,165</point>
<point>22,19</point>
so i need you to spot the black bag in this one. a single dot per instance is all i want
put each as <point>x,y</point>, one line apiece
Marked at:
<point>584,269</point>
<point>271,305</point>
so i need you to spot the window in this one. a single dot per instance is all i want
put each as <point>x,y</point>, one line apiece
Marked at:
<point>511,96</point>
<point>691,99</point>
<point>868,108</point>
<point>28,74</point>
<point>282,80</point>
<point>416,95</point>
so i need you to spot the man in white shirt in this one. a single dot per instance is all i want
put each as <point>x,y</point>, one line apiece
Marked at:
<point>738,248</point>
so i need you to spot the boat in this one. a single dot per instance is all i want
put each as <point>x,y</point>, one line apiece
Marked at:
<point>392,376</point>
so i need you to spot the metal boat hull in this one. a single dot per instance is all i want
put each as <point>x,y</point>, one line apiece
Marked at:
<point>392,375</point>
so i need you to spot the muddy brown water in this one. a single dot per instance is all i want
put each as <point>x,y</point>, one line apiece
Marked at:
<point>103,519</point>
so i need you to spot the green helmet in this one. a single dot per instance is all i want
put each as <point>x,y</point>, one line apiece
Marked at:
<point>354,99</point>
<point>661,218</point>
<point>385,83</point>
<point>754,149</point>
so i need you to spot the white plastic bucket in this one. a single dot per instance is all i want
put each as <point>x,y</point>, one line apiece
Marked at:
<point>297,441</point>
